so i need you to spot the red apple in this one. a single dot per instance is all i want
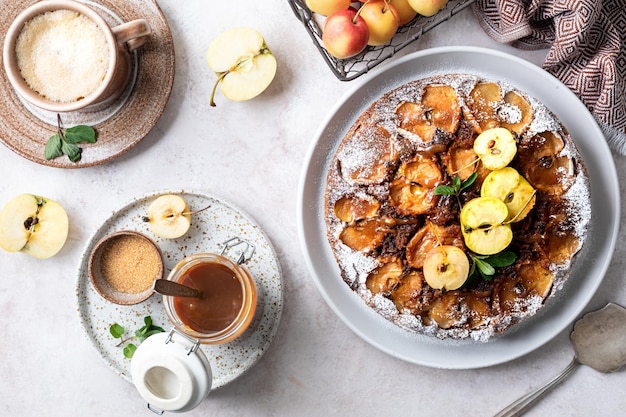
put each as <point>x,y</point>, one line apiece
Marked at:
<point>382,21</point>
<point>327,7</point>
<point>427,7</point>
<point>345,33</point>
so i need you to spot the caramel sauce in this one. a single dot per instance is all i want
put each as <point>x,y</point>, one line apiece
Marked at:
<point>221,300</point>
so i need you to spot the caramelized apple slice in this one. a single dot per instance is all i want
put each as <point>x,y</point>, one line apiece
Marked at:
<point>364,236</point>
<point>543,165</point>
<point>515,113</point>
<point>478,309</point>
<point>488,108</point>
<point>427,238</point>
<point>444,311</point>
<point>560,247</point>
<point>482,105</point>
<point>351,208</point>
<point>536,278</point>
<point>407,295</point>
<point>439,109</point>
<point>533,278</point>
<point>385,278</point>
<point>411,199</point>
<point>422,171</point>
<point>460,161</point>
<point>369,155</point>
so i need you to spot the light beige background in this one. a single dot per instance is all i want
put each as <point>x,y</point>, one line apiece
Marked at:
<point>251,154</point>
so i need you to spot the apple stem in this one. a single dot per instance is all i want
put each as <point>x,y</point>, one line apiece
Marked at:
<point>219,79</point>
<point>358,12</point>
<point>466,166</point>
<point>523,208</point>
<point>197,211</point>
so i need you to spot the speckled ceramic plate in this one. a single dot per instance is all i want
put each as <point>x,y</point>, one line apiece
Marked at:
<point>25,129</point>
<point>587,272</point>
<point>209,229</point>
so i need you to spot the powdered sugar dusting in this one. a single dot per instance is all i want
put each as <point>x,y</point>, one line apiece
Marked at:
<point>365,165</point>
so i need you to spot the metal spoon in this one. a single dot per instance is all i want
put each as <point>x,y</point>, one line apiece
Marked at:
<point>167,287</point>
<point>599,340</point>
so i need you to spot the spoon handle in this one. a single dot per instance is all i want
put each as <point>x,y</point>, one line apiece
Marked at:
<point>174,289</point>
<point>517,407</point>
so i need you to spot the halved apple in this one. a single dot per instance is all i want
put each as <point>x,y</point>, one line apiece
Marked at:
<point>169,216</point>
<point>496,147</point>
<point>483,225</point>
<point>33,225</point>
<point>243,63</point>
<point>508,185</point>
<point>446,267</point>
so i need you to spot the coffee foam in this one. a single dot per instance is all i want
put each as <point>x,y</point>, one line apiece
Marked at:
<point>62,55</point>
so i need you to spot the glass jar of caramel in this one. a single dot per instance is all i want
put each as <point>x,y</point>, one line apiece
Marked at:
<point>227,301</point>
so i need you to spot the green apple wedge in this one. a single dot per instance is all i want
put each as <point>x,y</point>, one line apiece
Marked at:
<point>243,63</point>
<point>33,225</point>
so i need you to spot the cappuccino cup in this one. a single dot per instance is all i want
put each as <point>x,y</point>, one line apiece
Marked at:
<point>61,56</point>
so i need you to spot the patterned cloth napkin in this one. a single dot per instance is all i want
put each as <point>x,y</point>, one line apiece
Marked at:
<point>587,42</point>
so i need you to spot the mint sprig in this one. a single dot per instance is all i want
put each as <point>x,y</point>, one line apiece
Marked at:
<point>456,187</point>
<point>142,334</point>
<point>484,266</point>
<point>65,141</point>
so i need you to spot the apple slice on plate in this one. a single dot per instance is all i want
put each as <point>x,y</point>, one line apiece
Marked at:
<point>33,225</point>
<point>243,63</point>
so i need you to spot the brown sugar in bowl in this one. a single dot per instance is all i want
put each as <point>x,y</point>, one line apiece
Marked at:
<point>123,267</point>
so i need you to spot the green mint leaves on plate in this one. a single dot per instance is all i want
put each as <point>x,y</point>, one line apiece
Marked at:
<point>65,141</point>
<point>457,185</point>
<point>142,334</point>
<point>485,265</point>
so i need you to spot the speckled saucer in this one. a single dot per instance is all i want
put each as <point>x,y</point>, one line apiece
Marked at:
<point>26,129</point>
<point>209,229</point>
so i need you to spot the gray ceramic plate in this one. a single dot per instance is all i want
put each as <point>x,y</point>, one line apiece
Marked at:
<point>559,311</point>
<point>209,229</point>
<point>25,129</point>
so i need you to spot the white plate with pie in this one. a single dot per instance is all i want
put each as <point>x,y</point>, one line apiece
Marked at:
<point>588,269</point>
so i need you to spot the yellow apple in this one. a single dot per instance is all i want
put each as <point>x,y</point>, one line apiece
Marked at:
<point>514,190</point>
<point>446,267</point>
<point>327,7</point>
<point>405,11</point>
<point>495,147</point>
<point>382,21</point>
<point>345,34</point>
<point>169,216</point>
<point>33,225</point>
<point>483,225</point>
<point>243,63</point>
<point>427,7</point>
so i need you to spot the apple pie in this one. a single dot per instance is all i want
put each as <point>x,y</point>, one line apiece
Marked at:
<point>455,206</point>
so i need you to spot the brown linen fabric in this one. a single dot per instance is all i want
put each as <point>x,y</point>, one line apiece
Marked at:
<point>587,49</point>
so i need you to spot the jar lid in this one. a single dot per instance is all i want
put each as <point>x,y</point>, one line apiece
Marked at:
<point>170,372</point>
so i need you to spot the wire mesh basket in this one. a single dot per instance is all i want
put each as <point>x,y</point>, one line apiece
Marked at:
<point>351,68</point>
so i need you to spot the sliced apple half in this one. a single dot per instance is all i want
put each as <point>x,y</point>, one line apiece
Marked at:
<point>243,63</point>
<point>508,185</point>
<point>34,225</point>
<point>169,216</point>
<point>446,267</point>
<point>495,147</point>
<point>483,225</point>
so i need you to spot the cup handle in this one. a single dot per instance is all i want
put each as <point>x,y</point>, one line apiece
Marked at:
<point>134,33</point>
